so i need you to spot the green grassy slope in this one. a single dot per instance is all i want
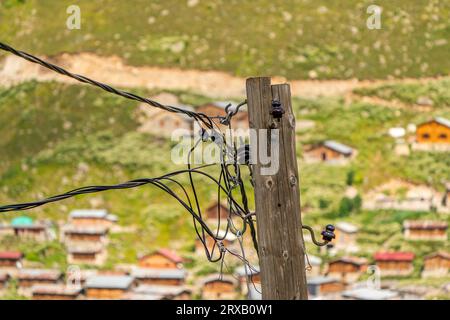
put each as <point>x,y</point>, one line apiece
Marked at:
<point>41,155</point>
<point>292,38</point>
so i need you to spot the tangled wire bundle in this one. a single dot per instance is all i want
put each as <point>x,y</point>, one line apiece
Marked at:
<point>228,182</point>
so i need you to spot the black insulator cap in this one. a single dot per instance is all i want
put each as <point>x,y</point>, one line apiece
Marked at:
<point>328,233</point>
<point>277,109</point>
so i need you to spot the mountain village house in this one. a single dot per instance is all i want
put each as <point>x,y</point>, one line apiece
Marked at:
<point>92,254</point>
<point>347,269</point>
<point>55,292</point>
<point>10,261</point>
<point>436,131</point>
<point>27,278</point>
<point>395,263</point>
<point>401,195</point>
<point>166,277</point>
<point>213,210</point>
<point>331,152</point>
<point>228,240</point>
<point>436,265</point>
<point>108,287</point>
<point>79,234</point>
<point>92,217</point>
<point>217,287</point>
<point>162,123</point>
<point>161,259</point>
<point>240,120</point>
<point>346,234</point>
<point>25,228</point>
<point>323,285</point>
<point>425,230</point>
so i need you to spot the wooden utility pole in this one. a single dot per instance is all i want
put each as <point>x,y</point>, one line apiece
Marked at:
<point>277,196</point>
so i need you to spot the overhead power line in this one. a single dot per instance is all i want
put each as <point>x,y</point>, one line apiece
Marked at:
<point>203,118</point>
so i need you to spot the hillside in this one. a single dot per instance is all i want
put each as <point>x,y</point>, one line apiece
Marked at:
<point>296,39</point>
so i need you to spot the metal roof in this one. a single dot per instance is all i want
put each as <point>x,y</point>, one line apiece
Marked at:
<point>338,147</point>
<point>109,282</point>
<point>443,121</point>
<point>159,273</point>
<point>56,289</point>
<point>39,274</point>
<point>369,294</point>
<point>346,227</point>
<point>320,280</point>
<point>22,221</point>
<point>90,229</point>
<point>11,255</point>
<point>89,213</point>
<point>161,290</point>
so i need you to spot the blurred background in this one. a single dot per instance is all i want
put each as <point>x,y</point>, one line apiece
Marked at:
<point>371,96</point>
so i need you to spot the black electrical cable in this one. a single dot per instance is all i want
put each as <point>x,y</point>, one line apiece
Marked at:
<point>197,116</point>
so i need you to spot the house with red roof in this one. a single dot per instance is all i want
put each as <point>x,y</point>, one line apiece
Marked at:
<point>11,259</point>
<point>395,263</point>
<point>161,259</point>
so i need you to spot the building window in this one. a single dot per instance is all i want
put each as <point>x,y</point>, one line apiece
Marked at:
<point>443,136</point>
<point>426,136</point>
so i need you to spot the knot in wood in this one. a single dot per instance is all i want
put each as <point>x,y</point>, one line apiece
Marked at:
<point>292,180</point>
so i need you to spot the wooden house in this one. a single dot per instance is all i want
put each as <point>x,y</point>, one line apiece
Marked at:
<point>25,228</point>
<point>330,152</point>
<point>27,278</point>
<point>84,234</point>
<point>248,277</point>
<point>228,241</point>
<point>92,254</point>
<point>322,285</point>
<point>164,292</point>
<point>92,217</point>
<point>162,123</point>
<point>10,260</point>
<point>369,294</point>
<point>214,209</point>
<point>436,265</point>
<point>55,292</point>
<point>108,287</point>
<point>346,234</point>
<point>435,131</point>
<point>218,287</point>
<point>240,120</point>
<point>395,263</point>
<point>166,277</point>
<point>161,259</point>
<point>425,230</point>
<point>401,195</point>
<point>347,269</point>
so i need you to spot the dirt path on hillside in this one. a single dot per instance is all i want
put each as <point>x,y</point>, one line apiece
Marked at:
<point>114,71</point>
